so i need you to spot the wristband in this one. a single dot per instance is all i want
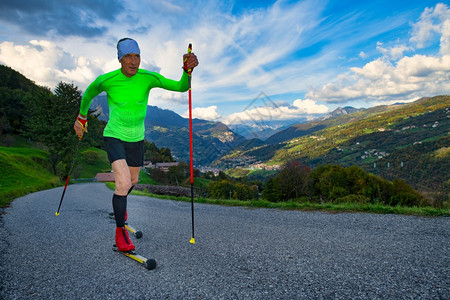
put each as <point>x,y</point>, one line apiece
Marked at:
<point>185,69</point>
<point>83,122</point>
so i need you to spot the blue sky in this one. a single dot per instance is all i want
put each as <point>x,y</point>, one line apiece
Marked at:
<point>277,60</point>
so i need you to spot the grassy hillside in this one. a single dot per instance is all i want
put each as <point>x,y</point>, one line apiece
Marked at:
<point>406,141</point>
<point>90,162</point>
<point>303,129</point>
<point>24,170</point>
<point>321,142</point>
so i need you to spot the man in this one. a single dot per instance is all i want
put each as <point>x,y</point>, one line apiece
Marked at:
<point>127,91</point>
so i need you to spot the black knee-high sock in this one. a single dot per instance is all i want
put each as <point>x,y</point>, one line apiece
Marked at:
<point>119,207</point>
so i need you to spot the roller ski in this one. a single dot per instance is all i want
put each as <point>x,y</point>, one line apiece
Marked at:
<point>149,263</point>
<point>125,246</point>
<point>137,233</point>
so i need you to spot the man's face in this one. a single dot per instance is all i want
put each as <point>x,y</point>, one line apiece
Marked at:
<point>130,64</point>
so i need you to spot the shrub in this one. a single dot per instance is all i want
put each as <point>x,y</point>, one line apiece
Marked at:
<point>90,156</point>
<point>359,199</point>
<point>272,191</point>
<point>226,189</point>
<point>405,195</point>
<point>222,189</point>
<point>334,183</point>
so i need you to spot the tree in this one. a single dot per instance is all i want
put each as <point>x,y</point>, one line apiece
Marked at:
<point>405,195</point>
<point>50,121</point>
<point>155,155</point>
<point>222,189</point>
<point>209,175</point>
<point>329,182</point>
<point>178,174</point>
<point>166,155</point>
<point>272,191</point>
<point>226,189</point>
<point>222,176</point>
<point>12,108</point>
<point>245,192</point>
<point>352,184</point>
<point>158,175</point>
<point>292,180</point>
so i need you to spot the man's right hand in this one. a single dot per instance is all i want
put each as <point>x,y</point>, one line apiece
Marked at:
<point>190,61</point>
<point>80,126</point>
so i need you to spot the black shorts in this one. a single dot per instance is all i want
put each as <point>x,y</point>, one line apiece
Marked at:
<point>132,152</point>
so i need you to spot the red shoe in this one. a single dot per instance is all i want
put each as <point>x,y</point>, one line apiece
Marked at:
<point>123,241</point>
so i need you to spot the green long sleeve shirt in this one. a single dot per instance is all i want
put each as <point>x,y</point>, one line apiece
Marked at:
<point>127,100</point>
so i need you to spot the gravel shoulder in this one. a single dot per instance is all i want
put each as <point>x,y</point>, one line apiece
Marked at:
<point>239,253</point>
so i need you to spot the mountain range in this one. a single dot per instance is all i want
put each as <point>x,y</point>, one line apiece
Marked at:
<point>267,130</point>
<point>167,129</point>
<point>262,130</point>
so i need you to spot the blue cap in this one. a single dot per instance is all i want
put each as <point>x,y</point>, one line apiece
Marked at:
<point>127,46</point>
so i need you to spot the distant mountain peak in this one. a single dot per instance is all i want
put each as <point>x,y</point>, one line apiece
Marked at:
<point>342,111</point>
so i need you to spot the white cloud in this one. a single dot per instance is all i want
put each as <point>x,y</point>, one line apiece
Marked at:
<point>47,64</point>
<point>309,106</point>
<point>395,75</point>
<point>431,22</point>
<point>205,113</point>
<point>235,51</point>
<point>381,79</point>
<point>362,54</point>
<point>299,108</point>
<point>167,99</point>
<point>445,38</point>
<point>393,53</point>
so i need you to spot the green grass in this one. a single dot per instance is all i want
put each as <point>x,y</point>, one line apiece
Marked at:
<point>201,182</point>
<point>90,169</point>
<point>24,170</point>
<point>144,178</point>
<point>259,173</point>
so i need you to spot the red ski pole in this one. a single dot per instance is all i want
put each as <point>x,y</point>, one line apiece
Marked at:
<point>192,241</point>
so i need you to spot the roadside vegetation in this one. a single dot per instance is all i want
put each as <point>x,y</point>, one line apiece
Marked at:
<point>303,204</point>
<point>330,188</point>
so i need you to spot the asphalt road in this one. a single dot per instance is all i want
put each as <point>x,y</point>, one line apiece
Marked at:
<point>239,253</point>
